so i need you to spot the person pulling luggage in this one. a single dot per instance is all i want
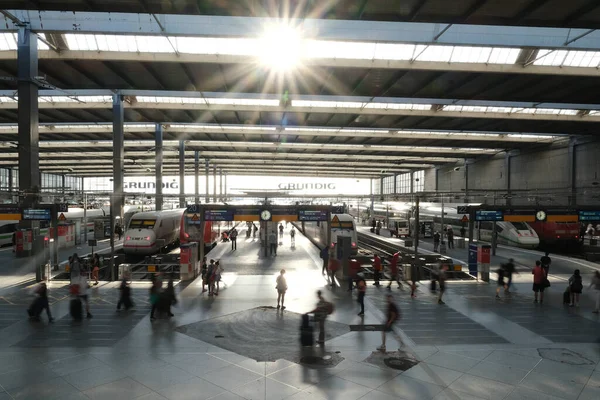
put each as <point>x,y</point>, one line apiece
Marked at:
<point>40,303</point>
<point>125,295</point>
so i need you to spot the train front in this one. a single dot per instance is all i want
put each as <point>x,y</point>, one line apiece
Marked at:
<point>140,238</point>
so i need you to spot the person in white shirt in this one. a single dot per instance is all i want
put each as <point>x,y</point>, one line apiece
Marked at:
<point>281,288</point>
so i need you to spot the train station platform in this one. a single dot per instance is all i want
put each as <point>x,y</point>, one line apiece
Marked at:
<point>239,346</point>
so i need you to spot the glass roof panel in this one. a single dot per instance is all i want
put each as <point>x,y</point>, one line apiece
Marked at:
<point>6,99</point>
<point>568,58</point>
<point>510,110</point>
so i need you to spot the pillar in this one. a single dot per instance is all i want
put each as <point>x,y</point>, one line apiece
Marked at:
<point>181,174</point>
<point>207,169</point>
<point>28,115</point>
<point>10,180</point>
<point>158,165</point>
<point>196,174</point>
<point>225,185</point>
<point>507,172</point>
<point>63,181</point>
<point>466,182</point>
<point>118,156</point>
<point>572,171</point>
<point>215,183</point>
<point>221,184</point>
<point>412,182</point>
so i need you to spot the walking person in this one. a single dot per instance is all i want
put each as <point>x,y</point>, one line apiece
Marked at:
<point>442,276</point>
<point>509,270</point>
<point>501,284</point>
<point>413,279</point>
<point>450,234</point>
<point>41,302</point>
<point>203,271</point>
<point>273,242</point>
<point>169,296</point>
<point>362,291</point>
<point>436,241</point>
<point>393,315</point>
<point>210,271</point>
<point>281,286</point>
<point>325,257</point>
<point>254,230</point>
<point>217,274</point>
<point>539,280</point>
<point>74,268</point>
<point>125,294</point>
<point>354,269</point>
<point>334,266</point>
<point>378,227</point>
<point>293,236</point>
<point>248,229</point>
<point>323,309</point>
<point>83,295</point>
<point>394,275</point>
<point>546,261</point>
<point>376,269</point>
<point>233,236</point>
<point>373,225</point>
<point>596,286</point>
<point>575,287</point>
<point>95,268</point>
<point>155,295</point>
<point>281,232</point>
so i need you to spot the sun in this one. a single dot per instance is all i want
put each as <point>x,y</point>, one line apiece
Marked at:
<point>281,47</point>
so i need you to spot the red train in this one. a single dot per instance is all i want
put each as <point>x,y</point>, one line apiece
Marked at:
<point>190,232</point>
<point>557,233</point>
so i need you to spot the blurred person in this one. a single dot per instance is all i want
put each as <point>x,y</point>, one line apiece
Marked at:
<point>376,269</point>
<point>293,236</point>
<point>41,302</point>
<point>394,274</point>
<point>362,291</point>
<point>539,277</point>
<point>233,234</point>
<point>323,309</point>
<point>575,287</point>
<point>595,284</point>
<point>393,315</point>
<point>273,242</point>
<point>281,286</point>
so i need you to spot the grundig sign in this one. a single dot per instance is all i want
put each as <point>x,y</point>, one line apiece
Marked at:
<point>150,185</point>
<point>307,186</point>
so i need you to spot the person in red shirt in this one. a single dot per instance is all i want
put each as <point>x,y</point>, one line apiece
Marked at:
<point>539,278</point>
<point>377,269</point>
<point>334,265</point>
<point>354,270</point>
<point>396,258</point>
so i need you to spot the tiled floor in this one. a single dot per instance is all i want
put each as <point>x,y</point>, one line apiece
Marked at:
<point>464,349</point>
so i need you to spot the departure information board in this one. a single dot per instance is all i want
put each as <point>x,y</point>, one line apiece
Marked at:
<point>487,215</point>
<point>312,215</point>
<point>32,214</point>
<point>589,215</point>
<point>218,215</point>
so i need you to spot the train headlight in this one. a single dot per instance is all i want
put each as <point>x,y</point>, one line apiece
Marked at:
<point>128,238</point>
<point>353,244</point>
<point>148,238</point>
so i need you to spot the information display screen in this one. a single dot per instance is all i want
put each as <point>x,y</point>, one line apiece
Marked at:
<point>218,215</point>
<point>312,215</point>
<point>32,214</point>
<point>589,215</point>
<point>485,215</point>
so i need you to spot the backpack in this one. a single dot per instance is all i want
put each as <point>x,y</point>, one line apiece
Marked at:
<point>330,308</point>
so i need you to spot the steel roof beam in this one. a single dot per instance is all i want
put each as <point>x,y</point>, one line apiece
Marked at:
<point>321,29</point>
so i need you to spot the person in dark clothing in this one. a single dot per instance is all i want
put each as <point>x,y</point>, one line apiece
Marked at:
<point>373,225</point>
<point>233,236</point>
<point>155,295</point>
<point>463,231</point>
<point>436,241</point>
<point>125,297</point>
<point>450,234</point>
<point>325,257</point>
<point>41,303</point>
<point>393,315</point>
<point>362,290</point>
<point>546,261</point>
<point>169,297</point>
<point>307,337</point>
<point>377,269</point>
<point>509,270</point>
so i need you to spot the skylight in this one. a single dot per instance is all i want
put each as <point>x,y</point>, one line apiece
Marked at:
<point>352,104</point>
<point>75,99</point>
<point>6,99</point>
<point>510,110</point>
<point>221,127</point>
<point>209,100</point>
<point>8,41</point>
<point>568,58</point>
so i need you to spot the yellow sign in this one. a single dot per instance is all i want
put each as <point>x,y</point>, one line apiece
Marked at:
<point>195,217</point>
<point>62,217</point>
<point>464,218</point>
<point>151,268</point>
<point>335,219</point>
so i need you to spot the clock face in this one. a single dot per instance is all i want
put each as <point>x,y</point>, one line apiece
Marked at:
<point>265,215</point>
<point>540,215</point>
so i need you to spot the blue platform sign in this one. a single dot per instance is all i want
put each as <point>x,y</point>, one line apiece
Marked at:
<point>589,215</point>
<point>473,259</point>
<point>312,215</point>
<point>218,215</point>
<point>487,215</point>
<point>31,214</point>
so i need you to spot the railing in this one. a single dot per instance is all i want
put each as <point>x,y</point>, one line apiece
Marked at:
<point>145,271</point>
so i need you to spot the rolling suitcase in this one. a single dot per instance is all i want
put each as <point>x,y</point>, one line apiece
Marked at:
<point>567,297</point>
<point>76,309</point>
<point>35,309</point>
<point>306,332</point>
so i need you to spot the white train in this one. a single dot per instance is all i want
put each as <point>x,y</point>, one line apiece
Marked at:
<point>341,225</point>
<point>148,232</point>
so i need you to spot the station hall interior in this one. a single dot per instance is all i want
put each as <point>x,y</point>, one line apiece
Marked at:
<point>334,199</point>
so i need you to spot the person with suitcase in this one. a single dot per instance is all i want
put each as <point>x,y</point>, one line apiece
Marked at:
<point>40,303</point>
<point>125,296</point>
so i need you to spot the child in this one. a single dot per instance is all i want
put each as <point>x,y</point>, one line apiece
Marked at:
<point>575,286</point>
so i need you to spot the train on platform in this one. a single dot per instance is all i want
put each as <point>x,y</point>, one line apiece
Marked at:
<point>149,232</point>
<point>341,225</point>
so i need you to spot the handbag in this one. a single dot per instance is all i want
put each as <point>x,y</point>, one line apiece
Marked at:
<point>546,283</point>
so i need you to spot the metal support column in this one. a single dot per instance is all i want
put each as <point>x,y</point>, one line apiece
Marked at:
<point>412,182</point>
<point>196,174</point>
<point>117,199</point>
<point>181,174</point>
<point>572,172</point>
<point>221,184</point>
<point>507,172</point>
<point>28,115</point>
<point>207,172</point>
<point>381,188</point>
<point>63,184</point>
<point>215,183</point>
<point>225,185</point>
<point>466,182</point>
<point>10,180</point>
<point>437,179</point>
<point>158,166</point>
